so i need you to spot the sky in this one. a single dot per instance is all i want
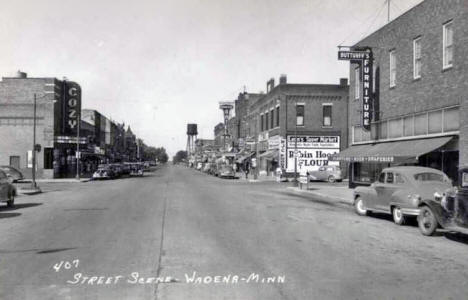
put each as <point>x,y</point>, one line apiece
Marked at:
<point>157,65</point>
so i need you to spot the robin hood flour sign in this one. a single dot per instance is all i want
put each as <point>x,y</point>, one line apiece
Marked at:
<point>312,152</point>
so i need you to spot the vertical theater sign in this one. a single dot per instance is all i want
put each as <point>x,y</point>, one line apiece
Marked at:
<point>363,57</point>
<point>70,113</point>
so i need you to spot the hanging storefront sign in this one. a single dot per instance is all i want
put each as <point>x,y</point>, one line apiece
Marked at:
<point>71,107</point>
<point>311,152</point>
<point>364,59</point>
<point>282,154</point>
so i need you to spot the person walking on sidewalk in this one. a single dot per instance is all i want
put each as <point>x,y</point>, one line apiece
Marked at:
<point>246,169</point>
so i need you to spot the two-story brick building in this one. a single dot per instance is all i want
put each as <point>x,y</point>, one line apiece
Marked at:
<point>419,114</point>
<point>307,119</point>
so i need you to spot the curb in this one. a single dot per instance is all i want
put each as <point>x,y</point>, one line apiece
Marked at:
<point>324,196</point>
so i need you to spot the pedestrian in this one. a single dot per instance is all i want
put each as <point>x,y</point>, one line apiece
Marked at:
<point>246,169</point>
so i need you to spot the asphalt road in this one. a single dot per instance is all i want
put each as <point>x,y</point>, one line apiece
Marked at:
<point>181,234</point>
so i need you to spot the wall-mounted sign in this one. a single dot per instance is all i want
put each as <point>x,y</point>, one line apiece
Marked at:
<point>71,107</point>
<point>364,58</point>
<point>311,152</point>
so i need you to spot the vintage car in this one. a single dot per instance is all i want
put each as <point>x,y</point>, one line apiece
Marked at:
<point>401,192</point>
<point>136,169</point>
<point>447,210</point>
<point>15,174</point>
<point>326,173</point>
<point>104,172</point>
<point>7,189</point>
<point>227,171</point>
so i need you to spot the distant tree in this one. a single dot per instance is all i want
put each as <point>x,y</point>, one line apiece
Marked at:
<point>180,156</point>
<point>153,153</point>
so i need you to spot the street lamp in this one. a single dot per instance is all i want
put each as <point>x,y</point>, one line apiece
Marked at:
<point>35,148</point>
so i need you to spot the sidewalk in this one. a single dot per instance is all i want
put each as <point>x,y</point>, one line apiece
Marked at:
<point>56,180</point>
<point>261,178</point>
<point>338,194</point>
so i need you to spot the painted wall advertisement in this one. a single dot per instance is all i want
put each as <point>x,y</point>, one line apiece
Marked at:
<point>312,152</point>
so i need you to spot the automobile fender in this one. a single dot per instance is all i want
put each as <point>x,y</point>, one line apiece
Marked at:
<point>366,194</point>
<point>436,209</point>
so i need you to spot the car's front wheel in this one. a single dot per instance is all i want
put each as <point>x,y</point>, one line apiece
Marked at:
<point>398,216</point>
<point>331,179</point>
<point>427,222</point>
<point>359,207</point>
<point>11,199</point>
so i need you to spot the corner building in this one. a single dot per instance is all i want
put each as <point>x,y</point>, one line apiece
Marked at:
<point>419,114</point>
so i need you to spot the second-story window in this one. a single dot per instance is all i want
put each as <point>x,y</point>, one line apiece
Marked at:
<point>357,83</point>
<point>327,115</point>
<point>272,118</point>
<point>261,123</point>
<point>392,68</point>
<point>447,41</point>
<point>417,58</point>
<point>300,114</point>
<point>266,121</point>
<point>277,116</point>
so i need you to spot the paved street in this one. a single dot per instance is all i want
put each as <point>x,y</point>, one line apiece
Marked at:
<point>119,239</point>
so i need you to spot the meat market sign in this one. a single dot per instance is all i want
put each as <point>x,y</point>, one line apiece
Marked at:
<point>71,107</point>
<point>364,59</point>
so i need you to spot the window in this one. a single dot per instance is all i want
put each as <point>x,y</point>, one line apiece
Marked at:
<point>447,41</point>
<point>392,68</point>
<point>389,177</point>
<point>327,115</point>
<point>300,115</point>
<point>266,121</point>
<point>357,83</point>
<point>382,177</point>
<point>261,123</point>
<point>399,178</point>
<point>277,116</point>
<point>417,58</point>
<point>272,118</point>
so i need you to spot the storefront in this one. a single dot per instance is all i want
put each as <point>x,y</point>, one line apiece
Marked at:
<point>366,161</point>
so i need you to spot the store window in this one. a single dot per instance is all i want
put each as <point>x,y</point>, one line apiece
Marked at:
<point>447,41</point>
<point>300,114</point>
<point>327,115</point>
<point>392,68</point>
<point>417,58</point>
<point>420,124</point>
<point>435,122</point>
<point>451,119</point>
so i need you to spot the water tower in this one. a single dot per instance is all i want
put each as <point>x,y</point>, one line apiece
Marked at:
<point>192,133</point>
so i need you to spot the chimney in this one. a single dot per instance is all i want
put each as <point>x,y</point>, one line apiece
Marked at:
<point>270,84</point>
<point>344,81</point>
<point>283,79</point>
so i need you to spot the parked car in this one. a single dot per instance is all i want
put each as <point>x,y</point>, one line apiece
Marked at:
<point>227,171</point>
<point>117,169</point>
<point>401,192</point>
<point>7,189</point>
<point>14,173</point>
<point>136,169</point>
<point>104,172</point>
<point>207,167</point>
<point>326,173</point>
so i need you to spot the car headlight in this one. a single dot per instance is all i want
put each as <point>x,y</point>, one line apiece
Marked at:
<point>438,196</point>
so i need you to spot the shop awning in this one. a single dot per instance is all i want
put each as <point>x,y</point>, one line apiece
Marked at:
<point>243,157</point>
<point>391,152</point>
<point>270,154</point>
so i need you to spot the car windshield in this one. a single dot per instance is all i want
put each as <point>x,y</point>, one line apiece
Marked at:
<point>428,176</point>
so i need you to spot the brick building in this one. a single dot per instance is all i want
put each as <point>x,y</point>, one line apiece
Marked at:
<point>314,115</point>
<point>58,103</point>
<point>219,136</point>
<point>419,114</point>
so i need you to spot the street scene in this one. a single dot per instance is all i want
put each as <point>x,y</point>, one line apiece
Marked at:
<point>234,149</point>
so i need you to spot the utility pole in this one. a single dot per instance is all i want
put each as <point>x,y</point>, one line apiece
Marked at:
<point>388,11</point>
<point>34,185</point>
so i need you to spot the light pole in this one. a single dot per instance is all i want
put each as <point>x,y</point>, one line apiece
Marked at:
<point>295,148</point>
<point>78,155</point>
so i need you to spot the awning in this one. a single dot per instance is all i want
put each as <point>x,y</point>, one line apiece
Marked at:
<point>244,157</point>
<point>270,154</point>
<point>391,152</point>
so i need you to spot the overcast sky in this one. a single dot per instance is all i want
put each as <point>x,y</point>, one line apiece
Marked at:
<point>158,65</point>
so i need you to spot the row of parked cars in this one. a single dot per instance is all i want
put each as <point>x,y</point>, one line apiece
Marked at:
<point>416,192</point>
<point>220,170</point>
<point>116,170</point>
